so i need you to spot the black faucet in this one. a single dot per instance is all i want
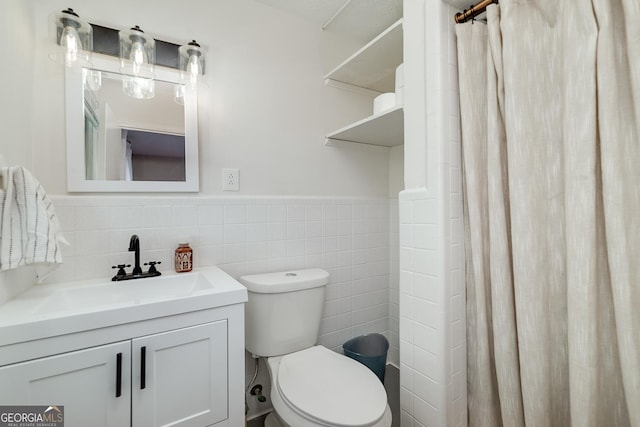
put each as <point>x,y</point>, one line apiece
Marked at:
<point>134,245</point>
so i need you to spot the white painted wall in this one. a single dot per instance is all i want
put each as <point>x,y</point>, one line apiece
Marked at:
<point>16,45</point>
<point>266,109</point>
<point>16,119</point>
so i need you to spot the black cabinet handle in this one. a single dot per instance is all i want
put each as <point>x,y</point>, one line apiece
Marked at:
<point>143,368</point>
<point>119,375</point>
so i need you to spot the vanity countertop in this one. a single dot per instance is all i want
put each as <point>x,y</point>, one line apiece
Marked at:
<point>69,307</point>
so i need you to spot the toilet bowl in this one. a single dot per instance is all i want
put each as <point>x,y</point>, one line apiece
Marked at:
<point>319,387</point>
<point>311,385</point>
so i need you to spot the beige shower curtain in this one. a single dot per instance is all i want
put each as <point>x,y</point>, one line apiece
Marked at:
<point>550,108</point>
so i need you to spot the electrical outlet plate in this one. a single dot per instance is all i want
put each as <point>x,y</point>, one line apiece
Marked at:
<point>230,179</point>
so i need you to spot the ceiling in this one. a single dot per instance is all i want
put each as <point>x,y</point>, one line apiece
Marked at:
<point>462,4</point>
<point>360,19</point>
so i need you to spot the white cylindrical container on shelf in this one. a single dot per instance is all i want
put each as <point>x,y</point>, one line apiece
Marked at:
<point>384,102</point>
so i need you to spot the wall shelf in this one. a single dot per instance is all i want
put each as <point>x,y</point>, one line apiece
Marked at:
<point>372,70</point>
<point>374,65</point>
<point>386,129</point>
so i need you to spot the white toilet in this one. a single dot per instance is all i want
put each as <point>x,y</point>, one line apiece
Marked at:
<point>310,385</point>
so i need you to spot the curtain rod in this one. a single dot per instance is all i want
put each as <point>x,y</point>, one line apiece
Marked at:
<point>473,11</point>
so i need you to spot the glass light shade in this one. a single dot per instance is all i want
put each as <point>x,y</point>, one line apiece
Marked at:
<point>138,87</point>
<point>192,61</point>
<point>74,39</point>
<point>137,58</point>
<point>92,78</point>
<point>179,94</point>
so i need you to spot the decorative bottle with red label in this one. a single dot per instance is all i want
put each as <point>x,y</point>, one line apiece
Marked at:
<point>184,258</point>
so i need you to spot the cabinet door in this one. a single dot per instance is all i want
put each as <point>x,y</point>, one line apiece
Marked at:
<point>84,382</point>
<point>180,377</point>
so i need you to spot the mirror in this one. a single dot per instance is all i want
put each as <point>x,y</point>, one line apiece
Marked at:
<point>116,143</point>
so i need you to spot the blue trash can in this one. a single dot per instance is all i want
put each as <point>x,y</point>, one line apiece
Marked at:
<point>370,350</point>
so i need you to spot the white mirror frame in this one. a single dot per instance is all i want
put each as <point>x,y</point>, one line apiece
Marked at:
<point>76,169</point>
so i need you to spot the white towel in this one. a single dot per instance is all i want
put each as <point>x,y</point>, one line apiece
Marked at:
<point>30,232</point>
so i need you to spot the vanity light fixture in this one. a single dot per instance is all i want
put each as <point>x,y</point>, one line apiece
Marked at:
<point>137,57</point>
<point>192,62</point>
<point>74,38</point>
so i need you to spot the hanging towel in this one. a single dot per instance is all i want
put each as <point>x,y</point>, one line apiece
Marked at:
<point>30,232</point>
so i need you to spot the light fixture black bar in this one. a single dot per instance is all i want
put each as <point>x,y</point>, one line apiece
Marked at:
<point>167,54</point>
<point>106,42</point>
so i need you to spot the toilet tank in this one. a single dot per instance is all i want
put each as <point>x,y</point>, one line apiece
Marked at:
<point>283,311</point>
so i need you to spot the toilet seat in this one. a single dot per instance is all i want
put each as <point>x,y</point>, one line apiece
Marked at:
<point>326,388</point>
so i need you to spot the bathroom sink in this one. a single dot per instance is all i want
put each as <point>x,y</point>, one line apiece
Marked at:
<point>139,291</point>
<point>68,307</point>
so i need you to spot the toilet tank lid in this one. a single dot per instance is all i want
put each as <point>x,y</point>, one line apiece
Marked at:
<point>285,281</point>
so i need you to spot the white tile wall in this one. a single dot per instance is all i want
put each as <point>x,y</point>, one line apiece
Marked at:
<point>431,301</point>
<point>422,325</point>
<point>394,281</point>
<point>348,237</point>
<point>453,226</point>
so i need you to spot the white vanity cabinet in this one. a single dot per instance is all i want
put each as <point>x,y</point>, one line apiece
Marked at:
<point>174,361</point>
<point>83,381</point>
<point>180,377</point>
<point>172,378</point>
